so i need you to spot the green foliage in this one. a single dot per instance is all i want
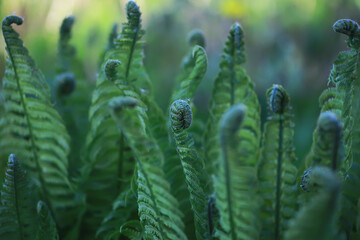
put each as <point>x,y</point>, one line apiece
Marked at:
<point>157,207</point>
<point>34,130</point>
<point>277,162</point>
<point>236,180</point>
<point>317,219</point>
<point>17,211</point>
<point>127,172</point>
<point>232,86</point>
<point>193,166</point>
<point>47,227</point>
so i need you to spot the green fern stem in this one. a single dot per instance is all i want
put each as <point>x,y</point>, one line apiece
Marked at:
<point>193,166</point>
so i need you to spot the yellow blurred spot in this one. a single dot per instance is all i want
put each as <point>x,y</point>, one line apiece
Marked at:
<point>233,8</point>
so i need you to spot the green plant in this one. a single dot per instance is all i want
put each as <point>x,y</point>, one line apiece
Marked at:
<point>127,172</point>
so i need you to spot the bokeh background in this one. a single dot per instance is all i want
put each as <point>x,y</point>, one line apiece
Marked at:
<point>290,42</point>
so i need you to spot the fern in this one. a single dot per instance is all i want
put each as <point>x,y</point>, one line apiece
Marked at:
<point>232,86</point>
<point>195,37</point>
<point>193,166</point>
<point>109,164</point>
<point>327,148</point>
<point>71,93</point>
<point>17,208</point>
<point>276,168</point>
<point>123,212</point>
<point>345,76</point>
<point>317,219</point>
<point>35,131</point>
<point>128,50</point>
<point>236,179</point>
<point>157,207</point>
<point>47,227</point>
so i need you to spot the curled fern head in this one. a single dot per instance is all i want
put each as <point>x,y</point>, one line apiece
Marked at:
<point>12,19</point>
<point>231,122</point>
<point>278,99</point>
<point>65,29</point>
<point>317,178</point>
<point>110,68</point>
<point>65,84</point>
<point>328,121</point>
<point>133,13</point>
<point>349,28</point>
<point>196,37</point>
<point>118,103</point>
<point>305,180</point>
<point>180,115</point>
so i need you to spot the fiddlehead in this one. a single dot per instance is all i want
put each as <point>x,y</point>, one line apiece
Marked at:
<point>317,219</point>
<point>277,162</point>
<point>180,115</point>
<point>66,51</point>
<point>193,166</point>
<point>351,29</point>
<point>64,84</point>
<point>110,68</point>
<point>196,37</point>
<point>232,86</point>
<point>32,122</point>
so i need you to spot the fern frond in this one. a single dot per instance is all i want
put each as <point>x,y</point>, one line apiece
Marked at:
<point>351,29</point>
<point>236,179</point>
<point>35,131</point>
<point>71,94</point>
<point>66,52</point>
<point>158,209</point>
<point>348,81</point>
<point>128,49</point>
<point>47,227</point>
<point>17,206</point>
<point>124,210</point>
<point>232,86</point>
<point>193,166</point>
<point>191,82</point>
<point>317,219</point>
<point>110,45</point>
<point>328,148</point>
<point>109,165</point>
<point>276,167</point>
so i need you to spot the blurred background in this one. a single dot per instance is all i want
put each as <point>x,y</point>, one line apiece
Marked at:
<point>290,42</point>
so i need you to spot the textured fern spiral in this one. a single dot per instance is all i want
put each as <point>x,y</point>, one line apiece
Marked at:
<point>193,166</point>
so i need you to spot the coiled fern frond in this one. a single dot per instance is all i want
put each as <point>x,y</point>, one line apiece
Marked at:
<point>157,208</point>
<point>317,219</point>
<point>193,166</point>
<point>232,86</point>
<point>34,130</point>
<point>277,170</point>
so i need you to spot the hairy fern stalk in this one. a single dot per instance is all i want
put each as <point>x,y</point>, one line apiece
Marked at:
<point>85,162</point>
